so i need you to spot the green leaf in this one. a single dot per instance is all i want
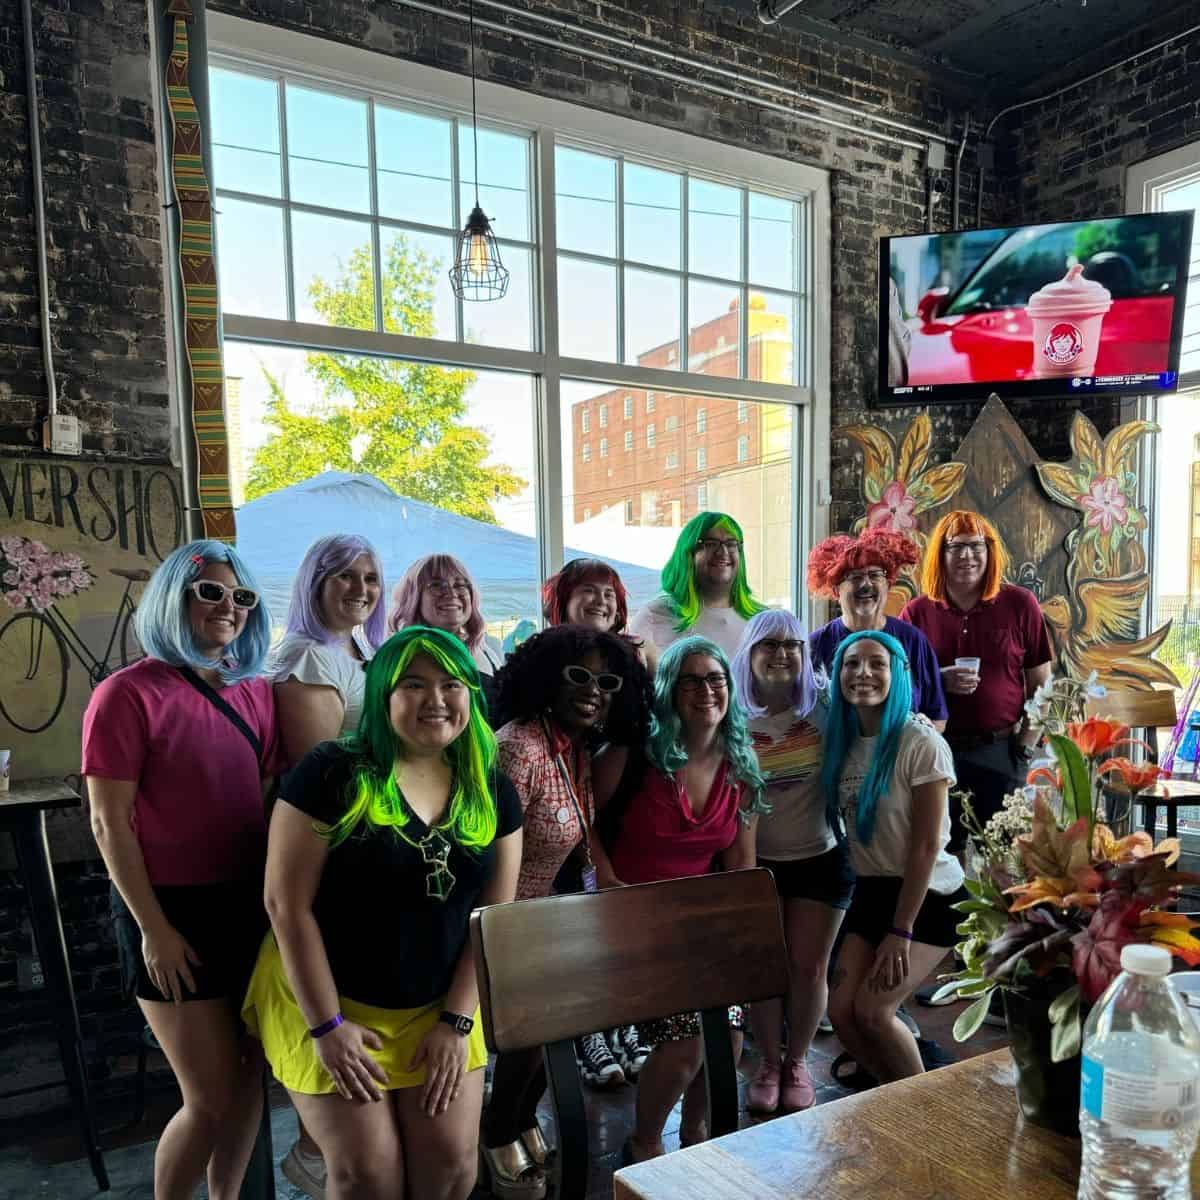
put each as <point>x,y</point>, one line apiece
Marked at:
<point>975,887</point>
<point>971,1017</point>
<point>947,989</point>
<point>871,488</point>
<point>1065,1037</point>
<point>1063,1002</point>
<point>1076,783</point>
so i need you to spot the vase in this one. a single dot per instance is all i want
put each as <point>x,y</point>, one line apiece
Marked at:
<point>1047,1092</point>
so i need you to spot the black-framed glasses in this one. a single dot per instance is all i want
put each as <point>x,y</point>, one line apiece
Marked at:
<point>606,681</point>
<point>714,682</point>
<point>443,587</point>
<point>874,575</point>
<point>772,646</point>
<point>715,545</point>
<point>961,549</point>
<point>212,591</point>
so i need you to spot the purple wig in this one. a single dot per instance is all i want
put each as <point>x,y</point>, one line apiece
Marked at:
<point>406,598</point>
<point>781,625</point>
<point>327,556</point>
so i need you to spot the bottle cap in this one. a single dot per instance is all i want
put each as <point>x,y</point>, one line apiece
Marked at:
<point>1141,959</point>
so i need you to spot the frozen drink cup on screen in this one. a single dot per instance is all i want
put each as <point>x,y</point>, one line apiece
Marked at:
<point>1067,316</point>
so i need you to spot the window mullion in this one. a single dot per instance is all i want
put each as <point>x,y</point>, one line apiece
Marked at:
<point>744,274</point>
<point>285,183</point>
<point>548,418</point>
<point>373,190</point>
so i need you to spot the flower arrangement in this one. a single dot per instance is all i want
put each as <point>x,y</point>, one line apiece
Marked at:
<point>1058,894</point>
<point>34,576</point>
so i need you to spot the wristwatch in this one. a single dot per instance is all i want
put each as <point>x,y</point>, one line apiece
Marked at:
<point>460,1024</point>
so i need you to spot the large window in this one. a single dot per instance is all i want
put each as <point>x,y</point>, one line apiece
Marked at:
<point>660,283</point>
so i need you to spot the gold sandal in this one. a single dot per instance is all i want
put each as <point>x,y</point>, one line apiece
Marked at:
<point>535,1146</point>
<point>512,1174</point>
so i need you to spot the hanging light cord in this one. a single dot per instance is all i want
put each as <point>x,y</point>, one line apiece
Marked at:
<point>474,115</point>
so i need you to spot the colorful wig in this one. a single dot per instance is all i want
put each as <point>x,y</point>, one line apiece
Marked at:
<point>830,561</point>
<point>956,524</point>
<point>164,626</point>
<point>780,624</point>
<point>325,557</point>
<point>843,728</point>
<point>666,748</point>
<point>679,575</point>
<point>375,796</point>
<point>406,598</point>
<point>556,591</point>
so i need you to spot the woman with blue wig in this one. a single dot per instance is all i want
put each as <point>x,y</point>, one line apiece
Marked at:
<point>796,843</point>
<point>175,748</point>
<point>887,777</point>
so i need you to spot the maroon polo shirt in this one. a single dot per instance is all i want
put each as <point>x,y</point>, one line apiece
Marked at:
<point>1007,635</point>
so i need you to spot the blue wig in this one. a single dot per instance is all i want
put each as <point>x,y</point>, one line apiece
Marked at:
<point>781,625</point>
<point>665,746</point>
<point>843,728</point>
<point>164,627</point>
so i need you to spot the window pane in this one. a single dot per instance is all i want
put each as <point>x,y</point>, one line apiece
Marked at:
<point>772,241</point>
<point>250,259</point>
<point>1181,196</point>
<point>245,120</point>
<point>504,179</point>
<point>327,150</point>
<point>714,229</point>
<point>713,328</point>
<point>417,297</point>
<point>587,309</point>
<point>507,322</point>
<point>586,201</point>
<point>414,167</point>
<point>652,220</point>
<point>651,318</point>
<point>771,338</point>
<point>333,271</point>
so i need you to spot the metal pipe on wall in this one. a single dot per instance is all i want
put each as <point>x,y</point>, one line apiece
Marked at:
<point>770,11</point>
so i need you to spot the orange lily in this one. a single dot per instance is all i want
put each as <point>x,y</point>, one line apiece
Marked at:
<point>1096,735</point>
<point>1174,931</point>
<point>1135,776</point>
<point>1106,847</point>
<point>1041,890</point>
<point>1044,775</point>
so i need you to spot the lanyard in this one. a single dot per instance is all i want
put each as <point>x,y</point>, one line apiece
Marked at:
<point>570,786</point>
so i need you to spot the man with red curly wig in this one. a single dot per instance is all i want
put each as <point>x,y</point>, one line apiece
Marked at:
<point>858,572</point>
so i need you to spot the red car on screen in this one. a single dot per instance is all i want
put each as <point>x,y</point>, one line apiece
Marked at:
<point>982,333</point>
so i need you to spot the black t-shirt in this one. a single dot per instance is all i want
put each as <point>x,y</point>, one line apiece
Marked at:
<point>389,943</point>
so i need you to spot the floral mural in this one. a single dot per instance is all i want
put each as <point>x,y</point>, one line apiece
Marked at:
<point>34,576</point>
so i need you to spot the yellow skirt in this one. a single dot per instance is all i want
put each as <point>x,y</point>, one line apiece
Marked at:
<point>273,1016</point>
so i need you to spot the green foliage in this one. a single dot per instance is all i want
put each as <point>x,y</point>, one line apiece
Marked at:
<point>399,421</point>
<point>1076,780</point>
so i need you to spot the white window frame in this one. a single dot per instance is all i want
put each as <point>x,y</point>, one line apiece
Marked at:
<point>604,416</point>
<point>701,420</point>
<point>629,439</point>
<point>604,447</point>
<point>260,48</point>
<point>627,407</point>
<point>743,448</point>
<point>672,461</point>
<point>701,458</point>
<point>651,436</point>
<point>702,495</point>
<point>585,420</point>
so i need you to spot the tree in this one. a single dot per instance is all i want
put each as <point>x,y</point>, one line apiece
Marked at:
<point>402,422</point>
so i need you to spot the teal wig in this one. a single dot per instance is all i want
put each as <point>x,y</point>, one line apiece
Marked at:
<point>375,796</point>
<point>665,746</point>
<point>679,575</point>
<point>843,728</point>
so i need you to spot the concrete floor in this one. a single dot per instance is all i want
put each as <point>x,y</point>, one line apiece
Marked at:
<point>40,1155</point>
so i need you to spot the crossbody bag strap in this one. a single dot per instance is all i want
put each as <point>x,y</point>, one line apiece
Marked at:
<point>570,786</point>
<point>225,708</point>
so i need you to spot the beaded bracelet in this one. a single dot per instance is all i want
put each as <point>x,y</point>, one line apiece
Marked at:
<point>906,934</point>
<point>328,1027</point>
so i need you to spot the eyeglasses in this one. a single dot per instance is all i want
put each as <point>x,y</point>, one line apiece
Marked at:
<point>210,591</point>
<point>578,676</point>
<point>716,545</point>
<point>962,549</point>
<point>443,587</point>
<point>771,646</point>
<point>857,578</point>
<point>695,683</point>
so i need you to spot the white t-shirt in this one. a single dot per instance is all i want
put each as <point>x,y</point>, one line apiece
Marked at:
<point>922,757</point>
<point>789,755</point>
<point>657,620</point>
<point>298,657</point>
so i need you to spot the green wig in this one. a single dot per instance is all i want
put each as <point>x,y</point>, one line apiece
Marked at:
<point>679,575</point>
<point>375,796</point>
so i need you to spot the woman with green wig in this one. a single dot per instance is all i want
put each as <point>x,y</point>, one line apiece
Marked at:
<point>705,589</point>
<point>364,994</point>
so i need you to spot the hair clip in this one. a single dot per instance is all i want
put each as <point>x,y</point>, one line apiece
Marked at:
<point>198,559</point>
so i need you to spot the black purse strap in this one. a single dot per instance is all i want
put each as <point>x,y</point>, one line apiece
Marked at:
<point>225,708</point>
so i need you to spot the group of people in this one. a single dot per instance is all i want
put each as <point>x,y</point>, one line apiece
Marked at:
<point>324,926</point>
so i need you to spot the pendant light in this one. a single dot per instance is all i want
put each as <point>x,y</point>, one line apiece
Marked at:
<point>478,273</point>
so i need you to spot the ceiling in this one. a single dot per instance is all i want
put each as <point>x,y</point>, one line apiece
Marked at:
<point>1005,46</point>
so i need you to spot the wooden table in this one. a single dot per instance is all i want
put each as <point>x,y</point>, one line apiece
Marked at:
<point>952,1134</point>
<point>23,814</point>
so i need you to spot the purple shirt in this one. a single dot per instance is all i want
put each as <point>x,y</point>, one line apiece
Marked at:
<point>927,694</point>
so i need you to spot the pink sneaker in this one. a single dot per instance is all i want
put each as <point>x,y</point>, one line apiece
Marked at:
<point>797,1091</point>
<point>762,1096</point>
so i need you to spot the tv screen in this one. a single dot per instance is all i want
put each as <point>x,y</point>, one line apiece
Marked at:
<point>1037,310</point>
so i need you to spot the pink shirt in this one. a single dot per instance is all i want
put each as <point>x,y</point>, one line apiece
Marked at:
<point>661,838</point>
<point>199,808</point>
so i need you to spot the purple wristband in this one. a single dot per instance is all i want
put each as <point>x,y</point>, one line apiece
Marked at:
<point>906,934</point>
<point>328,1027</point>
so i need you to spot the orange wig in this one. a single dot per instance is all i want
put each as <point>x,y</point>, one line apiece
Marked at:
<point>832,560</point>
<point>958,524</point>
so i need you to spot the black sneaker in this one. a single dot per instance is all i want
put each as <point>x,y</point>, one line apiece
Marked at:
<point>596,1062</point>
<point>627,1047</point>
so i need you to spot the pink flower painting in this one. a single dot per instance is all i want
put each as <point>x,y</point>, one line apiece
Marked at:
<point>1104,504</point>
<point>894,510</point>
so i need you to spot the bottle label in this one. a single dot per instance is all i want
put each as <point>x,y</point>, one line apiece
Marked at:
<point>1138,1101</point>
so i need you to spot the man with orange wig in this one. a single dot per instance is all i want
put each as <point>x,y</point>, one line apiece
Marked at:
<point>991,642</point>
<point>858,573</point>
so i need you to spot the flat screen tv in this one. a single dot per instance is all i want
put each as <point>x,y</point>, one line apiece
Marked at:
<point>1036,310</point>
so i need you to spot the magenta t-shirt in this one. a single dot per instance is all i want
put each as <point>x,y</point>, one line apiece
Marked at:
<point>199,808</point>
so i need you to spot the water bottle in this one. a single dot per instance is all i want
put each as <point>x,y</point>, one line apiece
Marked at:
<point>1139,1098</point>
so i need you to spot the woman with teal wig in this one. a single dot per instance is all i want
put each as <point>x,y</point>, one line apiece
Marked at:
<point>380,846</point>
<point>887,776</point>
<point>705,591</point>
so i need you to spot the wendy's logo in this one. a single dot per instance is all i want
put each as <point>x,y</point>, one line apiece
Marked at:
<point>1064,343</point>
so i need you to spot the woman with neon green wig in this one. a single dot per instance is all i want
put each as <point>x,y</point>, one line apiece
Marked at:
<point>380,846</point>
<point>705,589</point>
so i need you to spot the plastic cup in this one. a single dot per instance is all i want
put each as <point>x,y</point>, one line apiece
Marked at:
<point>1067,316</point>
<point>5,755</point>
<point>969,664</point>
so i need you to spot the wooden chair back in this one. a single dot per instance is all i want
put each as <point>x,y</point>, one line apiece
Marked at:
<point>552,970</point>
<point>1154,709</point>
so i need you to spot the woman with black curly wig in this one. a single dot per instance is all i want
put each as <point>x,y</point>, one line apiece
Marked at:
<point>562,693</point>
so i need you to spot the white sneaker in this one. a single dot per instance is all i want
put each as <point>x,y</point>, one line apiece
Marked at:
<point>305,1171</point>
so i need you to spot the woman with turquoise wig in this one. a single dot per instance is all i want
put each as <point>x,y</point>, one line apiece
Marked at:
<point>886,777</point>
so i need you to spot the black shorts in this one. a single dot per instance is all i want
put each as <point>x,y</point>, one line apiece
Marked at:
<point>826,878</point>
<point>223,922</point>
<point>873,912</point>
